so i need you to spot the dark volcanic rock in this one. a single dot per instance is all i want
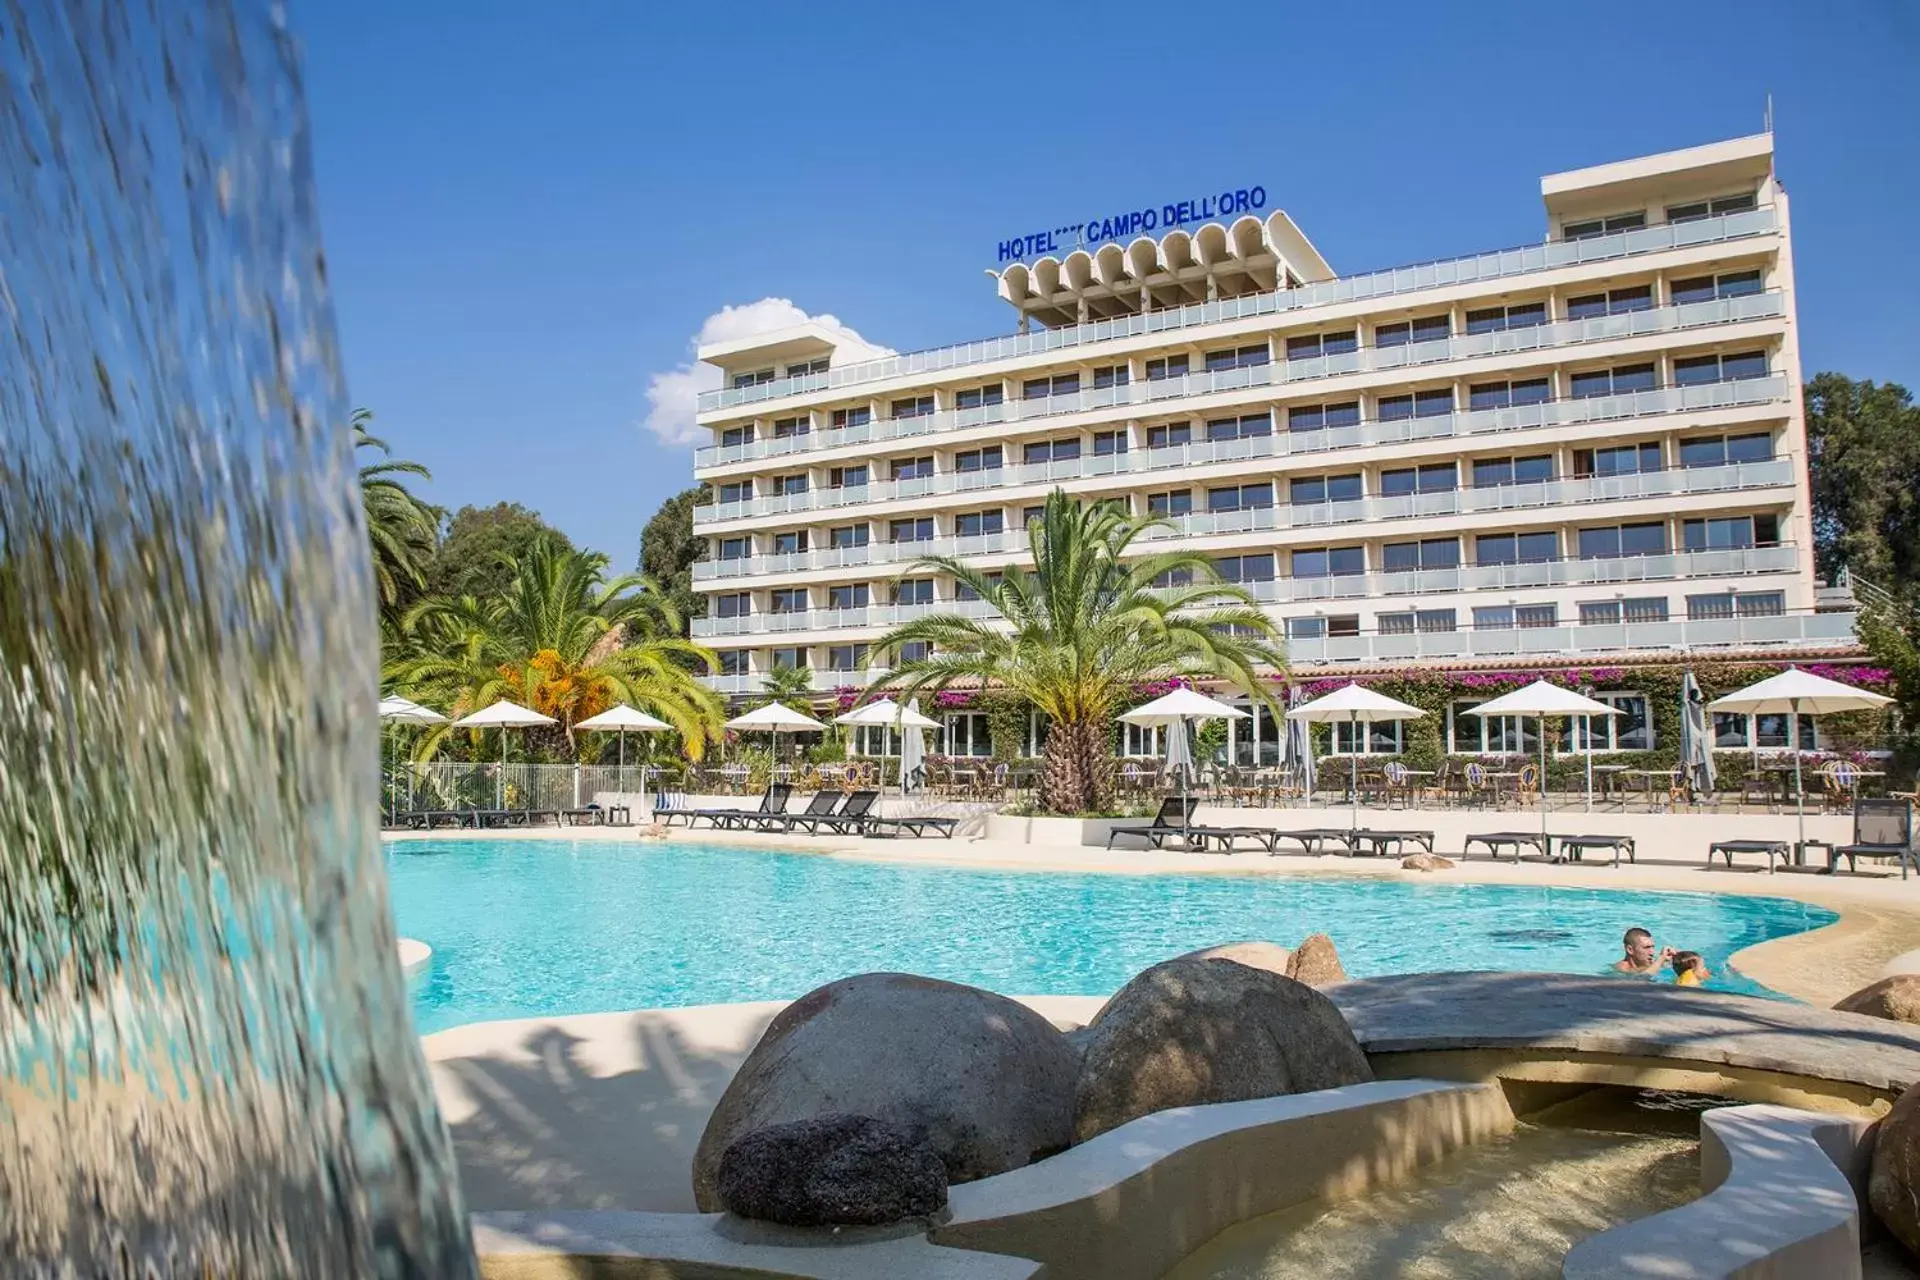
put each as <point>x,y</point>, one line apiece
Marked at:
<point>837,1170</point>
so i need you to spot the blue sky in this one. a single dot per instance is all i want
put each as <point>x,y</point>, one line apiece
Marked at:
<point>531,209</point>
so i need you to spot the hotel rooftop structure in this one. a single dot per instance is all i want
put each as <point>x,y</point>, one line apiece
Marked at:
<point>1580,450</point>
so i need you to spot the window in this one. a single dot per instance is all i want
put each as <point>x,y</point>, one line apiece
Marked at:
<point>1614,302</point>
<point>1526,315</point>
<point>1257,568</point>
<point>1107,444</point>
<point>1468,734</point>
<point>1112,375</point>
<point>1247,428</point>
<point>1733,284</point>
<point>912,591</point>
<point>1614,541</point>
<point>845,657</point>
<point>1060,384</point>
<point>1329,562</point>
<point>734,549</point>
<point>1039,452</point>
<point>734,491</point>
<point>789,485</point>
<point>847,477</point>
<point>1720,533</point>
<point>733,437</point>
<point>843,418</point>
<point>734,604</point>
<point>1322,627</point>
<point>1319,417</point>
<point>787,600</point>
<point>806,367</point>
<point>1516,548</point>
<point>1238,357</point>
<point>1182,577</point>
<point>1175,502</point>
<point>1617,460</point>
<point>1710,208</point>
<point>1630,730</point>
<point>733,662</point>
<point>1240,497</point>
<point>918,529</point>
<point>1743,604</point>
<point>1421,404</point>
<point>967,734</point>
<point>1378,738</point>
<point>1721,451</point>
<point>961,591</point>
<point>1611,613</point>
<point>1429,553</point>
<point>1432,477</point>
<point>789,543</point>
<point>757,378</point>
<point>1605,226</point>
<point>1029,514</point>
<point>792,428</point>
<point>1172,435</point>
<point>979,397</point>
<point>1695,370</point>
<point>1405,624</point>
<point>847,595</point>
<point>1613,382</point>
<point>913,407</point>
<point>1505,395</point>
<point>786,659</point>
<point>913,651</point>
<point>1489,473</point>
<point>1406,332</point>
<point>1313,345</point>
<point>1166,367</point>
<point>987,459</point>
<point>1736,730</point>
<point>912,468</point>
<point>847,535</point>
<point>1313,490</point>
<point>973,524</point>
<point>1511,617</point>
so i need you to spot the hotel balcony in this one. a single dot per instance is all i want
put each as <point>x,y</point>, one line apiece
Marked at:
<point>1475,268</point>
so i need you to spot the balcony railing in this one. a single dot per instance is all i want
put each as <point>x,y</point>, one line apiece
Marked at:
<point>868,615</point>
<point>1496,265</point>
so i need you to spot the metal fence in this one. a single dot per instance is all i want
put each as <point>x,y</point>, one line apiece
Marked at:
<point>446,785</point>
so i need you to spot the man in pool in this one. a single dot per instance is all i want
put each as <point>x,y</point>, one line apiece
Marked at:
<point>1641,957</point>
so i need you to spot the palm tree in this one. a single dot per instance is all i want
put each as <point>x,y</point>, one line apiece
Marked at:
<point>564,640</point>
<point>402,529</point>
<point>1083,627</point>
<point>792,686</point>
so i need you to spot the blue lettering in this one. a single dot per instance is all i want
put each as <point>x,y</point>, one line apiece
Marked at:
<point>1171,215</point>
<point>1240,200</point>
<point>1258,197</point>
<point>1053,245</point>
<point>1135,222</point>
<point>1009,249</point>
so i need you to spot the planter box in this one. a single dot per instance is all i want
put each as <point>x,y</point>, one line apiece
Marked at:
<point>1056,832</point>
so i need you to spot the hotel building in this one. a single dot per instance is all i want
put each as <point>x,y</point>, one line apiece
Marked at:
<point>1587,450</point>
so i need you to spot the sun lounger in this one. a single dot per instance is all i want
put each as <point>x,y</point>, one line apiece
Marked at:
<point>668,805</point>
<point>1771,849</point>
<point>1224,837</point>
<point>1572,847</point>
<point>587,816</point>
<point>1379,842</point>
<point>853,816</point>
<point>1175,816</point>
<point>915,825</point>
<point>1882,828</point>
<point>543,815</point>
<point>1517,840</point>
<point>1314,839</point>
<point>824,802</point>
<point>772,814</point>
<point>773,800</point>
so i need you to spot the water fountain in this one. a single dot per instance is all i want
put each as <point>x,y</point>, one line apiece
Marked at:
<point>207,1063</point>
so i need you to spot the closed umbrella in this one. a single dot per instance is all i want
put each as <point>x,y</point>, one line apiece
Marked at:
<point>1696,746</point>
<point>885,713</point>
<point>913,745</point>
<point>776,719</point>
<point>1541,699</point>
<point>619,719</point>
<point>1173,712</point>
<point>1352,705</point>
<point>1297,757</point>
<point>1795,693</point>
<point>503,715</point>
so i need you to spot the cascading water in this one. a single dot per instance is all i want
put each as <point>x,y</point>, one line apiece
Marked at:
<point>207,1063</point>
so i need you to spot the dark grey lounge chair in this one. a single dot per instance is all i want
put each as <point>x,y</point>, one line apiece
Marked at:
<point>773,801</point>
<point>824,802</point>
<point>915,824</point>
<point>1314,839</point>
<point>1517,840</point>
<point>1377,842</point>
<point>1174,819</point>
<point>853,816</point>
<point>1573,847</point>
<point>1771,849</point>
<point>771,816</point>
<point>1882,828</point>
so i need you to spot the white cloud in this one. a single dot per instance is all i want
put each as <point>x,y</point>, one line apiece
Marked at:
<point>673,396</point>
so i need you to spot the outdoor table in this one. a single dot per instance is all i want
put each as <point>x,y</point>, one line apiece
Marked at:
<point>1800,848</point>
<point>1607,775</point>
<point>1646,777</point>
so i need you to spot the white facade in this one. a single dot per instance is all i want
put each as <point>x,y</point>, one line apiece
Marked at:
<point>1586,447</point>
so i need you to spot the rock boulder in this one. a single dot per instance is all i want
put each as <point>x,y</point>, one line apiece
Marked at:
<point>836,1170</point>
<point>983,1081</point>
<point>1315,962</point>
<point>1896,998</point>
<point>1425,862</point>
<point>1190,1031</point>
<point>1893,1184</point>
<point>1270,956</point>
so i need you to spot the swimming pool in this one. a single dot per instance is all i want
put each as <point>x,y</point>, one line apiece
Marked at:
<point>522,928</point>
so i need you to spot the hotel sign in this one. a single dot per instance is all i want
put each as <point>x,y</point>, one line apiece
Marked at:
<point>1134,222</point>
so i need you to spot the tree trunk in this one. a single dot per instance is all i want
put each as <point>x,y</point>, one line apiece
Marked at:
<point>1077,774</point>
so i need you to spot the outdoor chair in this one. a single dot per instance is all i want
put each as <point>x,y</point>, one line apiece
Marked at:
<point>914,824</point>
<point>1769,849</point>
<point>1175,816</point>
<point>668,805</point>
<point>1475,790</point>
<point>1882,828</point>
<point>1394,776</point>
<point>1572,848</point>
<point>773,801</point>
<point>1313,840</point>
<point>1516,840</point>
<point>1757,788</point>
<point>1841,782</point>
<point>1438,789</point>
<point>823,804</point>
<point>1377,842</point>
<point>851,816</point>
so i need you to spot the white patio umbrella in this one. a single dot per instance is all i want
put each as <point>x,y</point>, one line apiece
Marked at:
<point>1541,699</point>
<point>618,719</point>
<point>503,715</point>
<point>395,709</point>
<point>1173,712</point>
<point>776,719</point>
<point>885,713</point>
<point>1795,693</point>
<point>1353,705</point>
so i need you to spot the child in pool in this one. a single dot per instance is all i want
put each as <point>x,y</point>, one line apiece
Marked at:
<point>1689,970</point>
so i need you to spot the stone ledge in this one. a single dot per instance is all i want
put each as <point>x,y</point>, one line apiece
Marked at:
<point>415,956</point>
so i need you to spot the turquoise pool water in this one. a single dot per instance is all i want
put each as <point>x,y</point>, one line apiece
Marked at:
<point>522,928</point>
